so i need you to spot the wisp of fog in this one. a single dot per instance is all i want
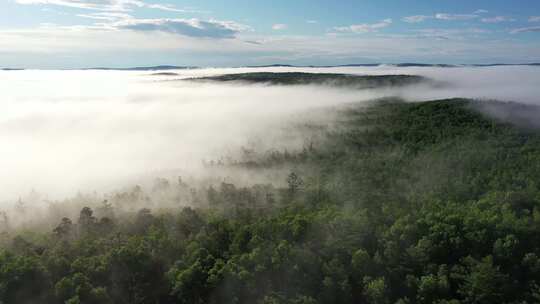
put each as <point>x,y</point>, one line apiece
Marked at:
<point>68,131</point>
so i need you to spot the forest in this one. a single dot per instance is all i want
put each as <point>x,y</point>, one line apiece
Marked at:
<point>331,79</point>
<point>397,202</point>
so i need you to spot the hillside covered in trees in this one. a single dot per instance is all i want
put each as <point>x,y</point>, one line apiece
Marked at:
<point>299,78</point>
<point>400,202</point>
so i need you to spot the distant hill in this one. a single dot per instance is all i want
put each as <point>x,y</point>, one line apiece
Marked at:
<point>296,78</point>
<point>271,66</point>
<point>403,65</point>
<point>151,68</point>
<point>165,74</point>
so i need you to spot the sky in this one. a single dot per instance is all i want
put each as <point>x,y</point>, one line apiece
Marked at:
<point>217,33</point>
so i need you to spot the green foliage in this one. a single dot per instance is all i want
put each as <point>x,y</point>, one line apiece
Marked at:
<point>402,203</point>
<point>292,78</point>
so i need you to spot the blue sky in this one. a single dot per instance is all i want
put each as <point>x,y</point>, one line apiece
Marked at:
<point>121,33</point>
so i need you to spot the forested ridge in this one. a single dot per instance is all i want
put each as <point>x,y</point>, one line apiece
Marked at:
<point>429,202</point>
<point>331,79</point>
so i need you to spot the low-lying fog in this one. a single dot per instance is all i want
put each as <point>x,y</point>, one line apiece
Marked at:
<point>67,131</point>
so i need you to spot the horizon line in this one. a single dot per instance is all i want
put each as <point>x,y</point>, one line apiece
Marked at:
<point>172,67</point>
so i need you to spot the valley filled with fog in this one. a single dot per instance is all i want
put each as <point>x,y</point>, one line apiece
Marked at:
<point>270,185</point>
<point>69,131</point>
<point>269,152</point>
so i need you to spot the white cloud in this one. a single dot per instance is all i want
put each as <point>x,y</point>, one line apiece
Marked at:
<point>526,30</point>
<point>26,47</point>
<point>442,16</point>
<point>451,17</point>
<point>186,27</point>
<point>312,21</point>
<point>416,19</point>
<point>99,41</point>
<point>450,34</point>
<point>481,11</point>
<point>497,19</point>
<point>104,5</point>
<point>279,27</point>
<point>166,7</point>
<point>534,19</point>
<point>363,28</point>
<point>106,16</point>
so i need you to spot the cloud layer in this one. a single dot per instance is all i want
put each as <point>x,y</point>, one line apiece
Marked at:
<point>279,26</point>
<point>103,5</point>
<point>497,19</point>
<point>186,27</point>
<point>363,28</point>
<point>106,29</point>
<point>530,29</point>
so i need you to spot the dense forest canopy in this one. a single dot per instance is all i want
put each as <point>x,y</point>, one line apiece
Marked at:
<point>398,202</point>
<point>300,78</point>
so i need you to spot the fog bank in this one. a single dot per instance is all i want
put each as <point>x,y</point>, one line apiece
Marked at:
<point>68,131</point>
<point>65,131</point>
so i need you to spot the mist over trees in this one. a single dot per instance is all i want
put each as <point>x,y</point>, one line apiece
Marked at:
<point>335,80</point>
<point>398,203</point>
